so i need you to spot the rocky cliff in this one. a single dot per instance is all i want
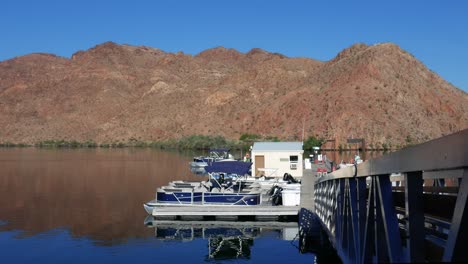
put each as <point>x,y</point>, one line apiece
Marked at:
<point>116,92</point>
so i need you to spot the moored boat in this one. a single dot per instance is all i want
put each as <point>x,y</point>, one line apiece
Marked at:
<point>287,188</point>
<point>215,155</point>
<point>220,189</point>
<point>165,197</point>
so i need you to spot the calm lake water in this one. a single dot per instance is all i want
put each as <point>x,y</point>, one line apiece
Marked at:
<point>75,206</point>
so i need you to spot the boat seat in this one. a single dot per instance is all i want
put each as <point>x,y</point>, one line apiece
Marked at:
<point>200,189</point>
<point>172,190</point>
<point>253,191</point>
<point>229,190</point>
<point>183,185</point>
<point>178,189</point>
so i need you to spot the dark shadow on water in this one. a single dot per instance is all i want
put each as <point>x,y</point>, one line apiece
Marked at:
<point>320,246</point>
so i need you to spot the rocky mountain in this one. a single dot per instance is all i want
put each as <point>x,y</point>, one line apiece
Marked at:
<point>116,92</point>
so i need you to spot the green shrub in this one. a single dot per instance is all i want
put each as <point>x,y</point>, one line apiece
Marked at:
<point>312,142</point>
<point>250,137</point>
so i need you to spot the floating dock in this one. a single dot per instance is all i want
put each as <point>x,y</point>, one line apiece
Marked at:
<point>225,212</point>
<point>152,222</point>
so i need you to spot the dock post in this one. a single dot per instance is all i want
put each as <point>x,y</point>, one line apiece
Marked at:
<point>362,205</point>
<point>390,221</point>
<point>414,214</point>
<point>355,236</point>
<point>455,249</point>
<point>368,244</point>
<point>307,190</point>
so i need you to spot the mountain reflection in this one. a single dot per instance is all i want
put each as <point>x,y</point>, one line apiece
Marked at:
<point>96,193</point>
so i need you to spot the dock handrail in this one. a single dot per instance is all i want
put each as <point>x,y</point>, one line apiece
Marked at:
<point>357,204</point>
<point>446,153</point>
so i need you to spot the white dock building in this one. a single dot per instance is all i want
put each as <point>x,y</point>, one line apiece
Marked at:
<point>277,158</point>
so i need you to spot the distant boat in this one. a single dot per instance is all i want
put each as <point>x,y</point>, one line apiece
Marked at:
<point>215,155</point>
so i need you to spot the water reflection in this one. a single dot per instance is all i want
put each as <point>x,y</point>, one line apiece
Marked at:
<point>75,205</point>
<point>96,193</point>
<point>226,240</point>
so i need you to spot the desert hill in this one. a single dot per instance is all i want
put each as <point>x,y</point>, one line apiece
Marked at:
<point>116,92</point>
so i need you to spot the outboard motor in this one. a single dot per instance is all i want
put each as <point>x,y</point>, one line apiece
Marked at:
<point>275,195</point>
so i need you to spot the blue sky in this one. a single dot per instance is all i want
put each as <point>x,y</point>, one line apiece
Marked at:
<point>436,32</point>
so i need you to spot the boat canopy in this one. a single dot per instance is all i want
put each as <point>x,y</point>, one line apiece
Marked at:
<point>230,167</point>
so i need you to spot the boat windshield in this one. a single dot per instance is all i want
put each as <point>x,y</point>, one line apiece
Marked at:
<point>221,153</point>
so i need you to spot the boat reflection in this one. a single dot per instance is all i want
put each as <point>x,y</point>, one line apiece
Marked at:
<point>226,239</point>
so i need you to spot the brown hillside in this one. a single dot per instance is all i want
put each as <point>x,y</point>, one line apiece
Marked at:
<point>116,92</point>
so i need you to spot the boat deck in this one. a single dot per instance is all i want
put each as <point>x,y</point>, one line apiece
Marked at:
<point>223,210</point>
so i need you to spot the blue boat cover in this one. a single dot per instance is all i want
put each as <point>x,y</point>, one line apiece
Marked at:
<point>234,167</point>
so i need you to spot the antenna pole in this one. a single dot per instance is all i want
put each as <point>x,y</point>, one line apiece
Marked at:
<point>303,124</point>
